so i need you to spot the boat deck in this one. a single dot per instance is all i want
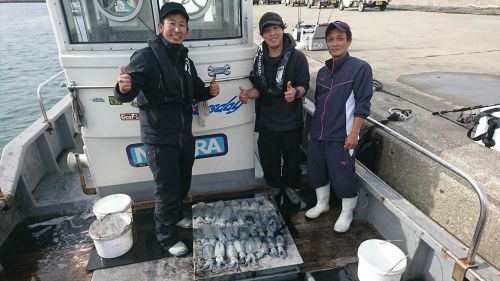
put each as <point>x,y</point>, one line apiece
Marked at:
<point>57,247</point>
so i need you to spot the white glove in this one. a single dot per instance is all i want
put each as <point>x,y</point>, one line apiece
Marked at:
<point>202,112</point>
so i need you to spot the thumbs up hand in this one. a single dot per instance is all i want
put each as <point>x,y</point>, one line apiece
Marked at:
<point>290,92</point>
<point>214,87</point>
<point>243,95</point>
<point>124,81</point>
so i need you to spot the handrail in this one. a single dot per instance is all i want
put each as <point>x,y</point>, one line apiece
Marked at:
<point>39,94</point>
<point>223,79</point>
<point>74,87</point>
<point>483,214</point>
<point>484,209</point>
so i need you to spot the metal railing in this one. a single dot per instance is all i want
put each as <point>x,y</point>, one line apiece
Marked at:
<point>39,94</point>
<point>483,201</point>
<point>483,214</point>
<point>223,79</point>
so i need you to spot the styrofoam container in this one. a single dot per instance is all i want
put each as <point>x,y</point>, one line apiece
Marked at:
<point>112,235</point>
<point>376,258</point>
<point>114,203</point>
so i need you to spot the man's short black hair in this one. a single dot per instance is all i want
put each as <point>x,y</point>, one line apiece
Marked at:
<point>341,26</point>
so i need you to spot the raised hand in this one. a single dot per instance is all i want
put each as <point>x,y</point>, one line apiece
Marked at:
<point>214,87</point>
<point>290,92</point>
<point>124,81</point>
<point>243,95</point>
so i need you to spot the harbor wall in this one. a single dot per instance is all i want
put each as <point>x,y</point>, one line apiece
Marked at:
<point>448,3</point>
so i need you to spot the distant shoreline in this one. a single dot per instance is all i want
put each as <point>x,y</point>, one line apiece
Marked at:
<point>21,1</point>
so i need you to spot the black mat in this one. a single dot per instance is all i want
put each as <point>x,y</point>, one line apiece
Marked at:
<point>346,273</point>
<point>146,246</point>
<point>288,222</point>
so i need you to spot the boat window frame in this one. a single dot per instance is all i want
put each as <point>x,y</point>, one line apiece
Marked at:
<point>123,46</point>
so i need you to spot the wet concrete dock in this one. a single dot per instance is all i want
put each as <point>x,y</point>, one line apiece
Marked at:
<point>407,52</point>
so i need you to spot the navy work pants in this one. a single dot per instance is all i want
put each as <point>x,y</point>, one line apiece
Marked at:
<point>172,169</point>
<point>327,161</point>
<point>276,144</point>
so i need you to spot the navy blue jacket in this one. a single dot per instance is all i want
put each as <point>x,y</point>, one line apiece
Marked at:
<point>343,91</point>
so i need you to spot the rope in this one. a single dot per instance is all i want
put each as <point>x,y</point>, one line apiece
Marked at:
<point>399,114</point>
<point>78,112</point>
<point>203,112</point>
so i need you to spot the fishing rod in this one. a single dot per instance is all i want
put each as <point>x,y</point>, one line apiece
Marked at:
<point>464,109</point>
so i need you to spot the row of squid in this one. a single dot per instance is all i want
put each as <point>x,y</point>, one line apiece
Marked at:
<point>237,233</point>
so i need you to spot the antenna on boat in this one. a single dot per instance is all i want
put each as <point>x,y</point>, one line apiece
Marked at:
<point>319,15</point>
<point>330,16</point>
<point>298,15</point>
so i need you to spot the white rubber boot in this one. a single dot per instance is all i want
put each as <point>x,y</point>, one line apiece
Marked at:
<point>323,205</point>
<point>345,218</point>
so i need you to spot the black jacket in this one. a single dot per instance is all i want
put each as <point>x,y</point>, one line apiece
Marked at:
<point>273,111</point>
<point>168,123</point>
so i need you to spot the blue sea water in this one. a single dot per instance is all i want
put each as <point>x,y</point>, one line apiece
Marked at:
<point>28,56</point>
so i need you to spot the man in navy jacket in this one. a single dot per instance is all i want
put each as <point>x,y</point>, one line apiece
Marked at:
<point>344,88</point>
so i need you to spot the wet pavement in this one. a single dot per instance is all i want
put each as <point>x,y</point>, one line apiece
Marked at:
<point>461,88</point>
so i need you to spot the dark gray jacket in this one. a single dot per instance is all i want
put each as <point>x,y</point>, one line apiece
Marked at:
<point>167,123</point>
<point>273,111</point>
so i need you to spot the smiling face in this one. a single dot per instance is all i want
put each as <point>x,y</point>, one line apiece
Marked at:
<point>273,35</point>
<point>337,44</point>
<point>174,28</point>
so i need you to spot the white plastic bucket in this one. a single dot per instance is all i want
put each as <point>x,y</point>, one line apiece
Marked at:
<point>377,258</point>
<point>114,203</point>
<point>112,235</point>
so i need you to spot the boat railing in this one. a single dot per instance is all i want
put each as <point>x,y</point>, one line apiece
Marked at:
<point>39,95</point>
<point>463,264</point>
<point>71,86</point>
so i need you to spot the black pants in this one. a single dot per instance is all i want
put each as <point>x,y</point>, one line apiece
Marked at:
<point>272,146</point>
<point>172,169</point>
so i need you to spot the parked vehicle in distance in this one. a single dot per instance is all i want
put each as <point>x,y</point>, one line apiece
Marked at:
<point>256,2</point>
<point>362,4</point>
<point>271,1</point>
<point>294,2</point>
<point>322,3</point>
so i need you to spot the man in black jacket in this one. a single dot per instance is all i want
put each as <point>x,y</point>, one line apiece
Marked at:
<point>281,80</point>
<point>165,82</point>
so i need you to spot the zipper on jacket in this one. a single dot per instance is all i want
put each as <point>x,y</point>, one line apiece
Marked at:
<point>326,99</point>
<point>180,79</point>
<point>182,128</point>
<point>182,99</point>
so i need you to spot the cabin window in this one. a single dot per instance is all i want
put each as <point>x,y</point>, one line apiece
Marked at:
<point>109,21</point>
<point>212,19</point>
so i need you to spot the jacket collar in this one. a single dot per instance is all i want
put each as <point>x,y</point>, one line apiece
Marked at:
<point>175,49</point>
<point>288,44</point>
<point>336,64</point>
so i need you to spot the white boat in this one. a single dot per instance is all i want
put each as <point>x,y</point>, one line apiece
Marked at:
<point>35,181</point>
